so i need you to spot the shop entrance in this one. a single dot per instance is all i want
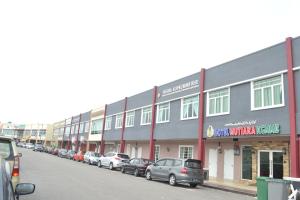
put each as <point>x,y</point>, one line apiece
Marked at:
<point>228,164</point>
<point>212,162</point>
<point>270,163</point>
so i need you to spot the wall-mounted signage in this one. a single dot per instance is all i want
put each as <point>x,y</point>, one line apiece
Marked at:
<point>267,129</point>
<point>242,123</point>
<point>180,88</point>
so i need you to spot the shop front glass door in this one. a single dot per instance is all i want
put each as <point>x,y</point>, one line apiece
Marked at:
<point>271,164</point>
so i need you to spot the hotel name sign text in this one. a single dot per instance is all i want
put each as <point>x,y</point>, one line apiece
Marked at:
<point>180,88</point>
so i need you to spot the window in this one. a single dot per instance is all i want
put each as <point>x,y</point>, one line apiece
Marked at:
<point>146,116</point>
<point>189,107</point>
<point>247,163</point>
<point>169,162</point>
<point>161,162</point>
<point>186,152</point>
<point>108,123</point>
<point>76,128</point>
<point>163,113</point>
<point>86,127</point>
<point>119,121</point>
<point>81,128</point>
<point>218,102</point>
<point>267,93</point>
<point>97,126</point>
<point>130,119</point>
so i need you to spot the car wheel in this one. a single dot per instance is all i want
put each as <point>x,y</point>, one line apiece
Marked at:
<point>111,167</point>
<point>99,164</point>
<point>90,162</point>
<point>123,170</point>
<point>136,172</point>
<point>193,185</point>
<point>148,175</point>
<point>172,180</point>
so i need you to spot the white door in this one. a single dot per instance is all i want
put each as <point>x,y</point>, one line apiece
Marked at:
<point>228,164</point>
<point>132,152</point>
<point>128,149</point>
<point>212,162</point>
<point>139,154</point>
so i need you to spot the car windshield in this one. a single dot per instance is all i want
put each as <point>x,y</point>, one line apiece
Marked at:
<point>123,156</point>
<point>193,164</point>
<point>6,151</point>
<point>96,154</point>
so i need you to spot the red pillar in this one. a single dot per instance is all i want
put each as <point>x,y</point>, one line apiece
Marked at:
<point>77,137</point>
<point>152,142</point>
<point>294,154</point>
<point>102,146</point>
<point>201,147</point>
<point>122,142</point>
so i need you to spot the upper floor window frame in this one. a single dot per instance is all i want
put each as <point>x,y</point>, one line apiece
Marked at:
<point>158,120</point>
<point>129,122</point>
<point>119,121</point>
<point>146,115</point>
<point>221,98</point>
<point>264,88</point>
<point>187,104</point>
<point>108,121</point>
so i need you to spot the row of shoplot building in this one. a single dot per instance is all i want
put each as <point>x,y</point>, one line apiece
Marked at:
<point>240,118</point>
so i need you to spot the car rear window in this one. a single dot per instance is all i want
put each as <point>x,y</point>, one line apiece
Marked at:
<point>123,156</point>
<point>193,164</point>
<point>6,150</point>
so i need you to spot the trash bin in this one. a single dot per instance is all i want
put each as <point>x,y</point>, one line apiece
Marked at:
<point>262,188</point>
<point>278,189</point>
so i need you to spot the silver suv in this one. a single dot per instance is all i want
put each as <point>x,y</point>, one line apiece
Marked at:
<point>176,171</point>
<point>91,157</point>
<point>112,160</point>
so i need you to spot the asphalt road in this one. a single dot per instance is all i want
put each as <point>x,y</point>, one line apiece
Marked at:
<point>59,179</point>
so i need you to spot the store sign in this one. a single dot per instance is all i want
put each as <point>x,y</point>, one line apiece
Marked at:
<point>180,88</point>
<point>267,129</point>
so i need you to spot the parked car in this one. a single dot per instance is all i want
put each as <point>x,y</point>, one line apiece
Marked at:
<point>54,151</point>
<point>38,147</point>
<point>21,144</point>
<point>70,154</point>
<point>62,153</point>
<point>9,152</point>
<point>91,158</point>
<point>8,192</point>
<point>78,156</point>
<point>112,160</point>
<point>177,171</point>
<point>136,166</point>
<point>29,146</point>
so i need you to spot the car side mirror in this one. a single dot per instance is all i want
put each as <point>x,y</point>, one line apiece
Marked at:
<point>24,188</point>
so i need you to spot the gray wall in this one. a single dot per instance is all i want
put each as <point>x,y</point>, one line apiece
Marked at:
<point>297,90</point>
<point>140,100</point>
<point>240,110</point>
<point>85,116</point>
<point>176,128</point>
<point>178,82</point>
<point>263,62</point>
<point>113,134</point>
<point>296,51</point>
<point>116,107</point>
<point>138,132</point>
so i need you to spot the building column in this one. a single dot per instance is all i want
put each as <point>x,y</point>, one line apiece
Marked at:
<point>294,154</point>
<point>201,147</point>
<point>152,141</point>
<point>77,137</point>
<point>122,141</point>
<point>62,140</point>
<point>102,142</point>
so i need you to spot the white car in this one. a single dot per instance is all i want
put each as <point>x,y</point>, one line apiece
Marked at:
<point>91,158</point>
<point>113,160</point>
<point>29,146</point>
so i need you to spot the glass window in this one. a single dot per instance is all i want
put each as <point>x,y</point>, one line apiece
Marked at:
<point>146,116</point>
<point>119,121</point>
<point>97,126</point>
<point>156,152</point>
<point>160,162</point>
<point>130,119</point>
<point>178,163</point>
<point>163,112</point>
<point>189,109</point>
<point>76,128</point>
<point>218,102</point>
<point>87,127</point>
<point>267,93</point>
<point>81,128</point>
<point>108,123</point>
<point>169,163</point>
<point>186,152</point>
<point>247,163</point>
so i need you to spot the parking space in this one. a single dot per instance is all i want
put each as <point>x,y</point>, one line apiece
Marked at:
<point>59,178</point>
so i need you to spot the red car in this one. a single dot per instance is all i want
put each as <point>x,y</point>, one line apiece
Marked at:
<point>78,156</point>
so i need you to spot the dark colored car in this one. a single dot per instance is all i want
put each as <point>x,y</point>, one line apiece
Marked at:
<point>70,154</point>
<point>175,171</point>
<point>62,153</point>
<point>6,187</point>
<point>136,166</point>
<point>38,147</point>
